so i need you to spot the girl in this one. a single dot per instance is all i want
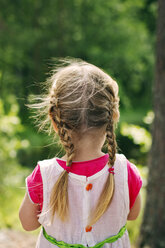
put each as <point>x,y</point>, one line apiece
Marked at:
<point>85,198</point>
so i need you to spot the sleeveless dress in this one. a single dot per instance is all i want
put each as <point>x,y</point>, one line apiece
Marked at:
<point>81,202</point>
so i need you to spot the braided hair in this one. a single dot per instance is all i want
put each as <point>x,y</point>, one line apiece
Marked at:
<point>59,198</point>
<point>108,190</point>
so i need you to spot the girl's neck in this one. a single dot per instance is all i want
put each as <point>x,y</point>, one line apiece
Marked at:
<point>85,157</point>
<point>88,147</point>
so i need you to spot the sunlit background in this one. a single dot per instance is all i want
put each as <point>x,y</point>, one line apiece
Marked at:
<point>116,35</point>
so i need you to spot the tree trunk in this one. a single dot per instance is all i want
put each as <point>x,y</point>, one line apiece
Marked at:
<point>153,226</point>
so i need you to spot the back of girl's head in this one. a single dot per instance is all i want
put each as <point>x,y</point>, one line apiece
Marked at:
<point>82,99</point>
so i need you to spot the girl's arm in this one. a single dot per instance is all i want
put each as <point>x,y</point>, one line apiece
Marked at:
<point>28,214</point>
<point>135,210</point>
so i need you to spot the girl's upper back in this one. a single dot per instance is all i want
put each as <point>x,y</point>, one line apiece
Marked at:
<point>83,195</point>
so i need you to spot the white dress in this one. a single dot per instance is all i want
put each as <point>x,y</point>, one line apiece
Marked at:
<point>81,202</point>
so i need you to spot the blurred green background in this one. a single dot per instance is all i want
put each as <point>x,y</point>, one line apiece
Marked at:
<point>117,35</point>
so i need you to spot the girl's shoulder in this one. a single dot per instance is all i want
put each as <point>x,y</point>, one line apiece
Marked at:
<point>49,165</point>
<point>34,182</point>
<point>120,163</point>
<point>133,173</point>
<point>120,158</point>
<point>131,176</point>
<point>124,163</point>
<point>47,162</point>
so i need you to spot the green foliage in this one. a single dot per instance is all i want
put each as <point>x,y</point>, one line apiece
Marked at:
<point>11,197</point>
<point>11,173</point>
<point>10,143</point>
<point>110,34</point>
<point>139,135</point>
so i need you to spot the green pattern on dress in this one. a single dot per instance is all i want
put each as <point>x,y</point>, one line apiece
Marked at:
<point>62,244</point>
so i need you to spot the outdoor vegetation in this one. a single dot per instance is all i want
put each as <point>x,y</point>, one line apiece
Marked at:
<point>118,36</point>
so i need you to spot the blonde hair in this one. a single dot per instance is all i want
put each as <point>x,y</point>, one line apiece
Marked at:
<point>81,97</point>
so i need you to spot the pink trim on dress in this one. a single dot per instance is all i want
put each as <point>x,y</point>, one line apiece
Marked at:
<point>84,168</point>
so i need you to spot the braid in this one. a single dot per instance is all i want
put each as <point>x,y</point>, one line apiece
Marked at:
<point>59,194</point>
<point>108,190</point>
<point>111,138</point>
<point>67,143</point>
<point>63,133</point>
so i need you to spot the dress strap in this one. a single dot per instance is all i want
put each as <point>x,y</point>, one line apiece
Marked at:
<point>62,244</point>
